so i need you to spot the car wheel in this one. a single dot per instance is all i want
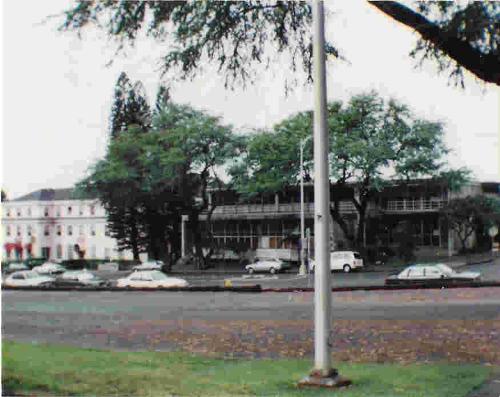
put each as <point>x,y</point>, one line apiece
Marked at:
<point>250,270</point>
<point>347,268</point>
<point>273,270</point>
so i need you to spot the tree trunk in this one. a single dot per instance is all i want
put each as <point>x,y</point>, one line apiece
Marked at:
<point>336,217</point>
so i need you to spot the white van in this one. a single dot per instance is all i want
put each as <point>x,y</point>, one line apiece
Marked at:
<point>342,260</point>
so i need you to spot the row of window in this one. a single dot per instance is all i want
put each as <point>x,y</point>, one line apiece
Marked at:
<point>69,211</point>
<point>59,230</point>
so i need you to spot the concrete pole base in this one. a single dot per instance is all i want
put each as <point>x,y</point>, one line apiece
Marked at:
<point>332,380</point>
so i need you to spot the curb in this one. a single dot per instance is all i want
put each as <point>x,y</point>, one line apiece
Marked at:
<point>391,287</point>
<point>257,288</point>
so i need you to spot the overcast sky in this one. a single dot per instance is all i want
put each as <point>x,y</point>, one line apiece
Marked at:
<point>57,92</point>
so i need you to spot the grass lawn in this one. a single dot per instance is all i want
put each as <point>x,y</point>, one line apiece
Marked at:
<point>61,370</point>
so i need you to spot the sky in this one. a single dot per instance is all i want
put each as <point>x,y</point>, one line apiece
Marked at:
<point>57,92</point>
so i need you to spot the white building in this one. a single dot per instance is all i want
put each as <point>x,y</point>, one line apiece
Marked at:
<point>50,222</point>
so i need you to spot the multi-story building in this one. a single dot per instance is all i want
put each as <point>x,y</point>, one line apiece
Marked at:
<point>273,220</point>
<point>51,222</point>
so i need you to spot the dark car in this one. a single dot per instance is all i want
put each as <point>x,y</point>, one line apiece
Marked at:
<point>81,278</point>
<point>431,274</point>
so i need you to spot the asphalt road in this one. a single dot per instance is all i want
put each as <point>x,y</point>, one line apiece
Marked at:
<point>489,272</point>
<point>76,318</point>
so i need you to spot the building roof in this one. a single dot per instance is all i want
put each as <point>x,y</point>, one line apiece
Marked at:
<point>54,195</point>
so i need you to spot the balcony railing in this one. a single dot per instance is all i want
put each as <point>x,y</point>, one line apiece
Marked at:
<point>345,207</point>
<point>414,205</point>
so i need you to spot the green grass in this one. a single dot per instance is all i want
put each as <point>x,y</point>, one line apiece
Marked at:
<point>61,370</point>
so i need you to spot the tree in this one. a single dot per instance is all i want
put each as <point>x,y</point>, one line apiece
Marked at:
<point>459,36</point>
<point>238,35</point>
<point>470,215</point>
<point>371,140</point>
<point>129,107</point>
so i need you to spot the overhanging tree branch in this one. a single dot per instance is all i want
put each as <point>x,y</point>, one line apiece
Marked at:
<point>485,66</point>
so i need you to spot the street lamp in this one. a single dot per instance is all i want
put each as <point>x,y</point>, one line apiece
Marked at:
<point>302,269</point>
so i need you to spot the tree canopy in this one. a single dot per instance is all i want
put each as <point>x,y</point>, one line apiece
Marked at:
<point>371,141</point>
<point>237,36</point>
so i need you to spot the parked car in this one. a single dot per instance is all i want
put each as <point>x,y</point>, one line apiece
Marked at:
<point>15,267</point>
<point>150,279</point>
<point>346,261</point>
<point>431,274</point>
<point>149,265</point>
<point>49,268</point>
<point>27,279</point>
<point>81,278</point>
<point>267,265</point>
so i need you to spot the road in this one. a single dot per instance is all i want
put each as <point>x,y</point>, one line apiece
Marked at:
<point>489,272</point>
<point>82,318</point>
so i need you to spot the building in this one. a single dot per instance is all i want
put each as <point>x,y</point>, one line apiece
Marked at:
<point>51,222</point>
<point>272,221</point>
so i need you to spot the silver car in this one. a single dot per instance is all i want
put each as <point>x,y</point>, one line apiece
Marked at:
<point>28,279</point>
<point>431,274</point>
<point>266,265</point>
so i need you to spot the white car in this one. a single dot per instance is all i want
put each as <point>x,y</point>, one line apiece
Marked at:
<point>342,260</point>
<point>15,267</point>
<point>49,268</point>
<point>431,274</point>
<point>150,279</point>
<point>149,265</point>
<point>266,265</point>
<point>27,279</point>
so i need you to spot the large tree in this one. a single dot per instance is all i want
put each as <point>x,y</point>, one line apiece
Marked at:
<point>371,141</point>
<point>148,180</point>
<point>469,215</point>
<point>238,35</point>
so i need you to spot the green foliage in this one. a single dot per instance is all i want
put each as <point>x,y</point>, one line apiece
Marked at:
<point>471,214</point>
<point>235,35</point>
<point>476,23</point>
<point>130,107</point>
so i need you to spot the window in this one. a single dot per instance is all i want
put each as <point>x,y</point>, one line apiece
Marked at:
<point>59,251</point>
<point>81,210</point>
<point>106,230</point>
<point>18,277</point>
<point>69,250</point>
<point>70,210</point>
<point>18,211</point>
<point>8,212</point>
<point>92,210</point>
<point>92,230</point>
<point>107,253</point>
<point>59,230</point>
<point>46,230</point>
<point>30,230</point>
<point>18,231</point>
<point>70,230</point>
<point>58,211</point>
<point>81,230</point>
<point>46,211</point>
<point>93,251</point>
<point>29,211</point>
<point>7,230</point>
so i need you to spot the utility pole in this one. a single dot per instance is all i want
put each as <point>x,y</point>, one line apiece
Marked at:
<point>302,269</point>
<point>323,374</point>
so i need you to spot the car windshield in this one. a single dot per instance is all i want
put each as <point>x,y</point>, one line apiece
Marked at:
<point>444,268</point>
<point>158,276</point>
<point>31,275</point>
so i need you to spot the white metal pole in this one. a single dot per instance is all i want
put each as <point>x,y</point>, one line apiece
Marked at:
<point>322,287</point>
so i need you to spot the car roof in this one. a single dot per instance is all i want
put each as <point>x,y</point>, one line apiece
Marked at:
<point>26,271</point>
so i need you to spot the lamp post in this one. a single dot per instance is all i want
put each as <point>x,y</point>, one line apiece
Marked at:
<point>302,269</point>
<point>323,374</point>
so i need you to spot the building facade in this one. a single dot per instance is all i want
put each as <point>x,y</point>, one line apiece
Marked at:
<point>50,223</point>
